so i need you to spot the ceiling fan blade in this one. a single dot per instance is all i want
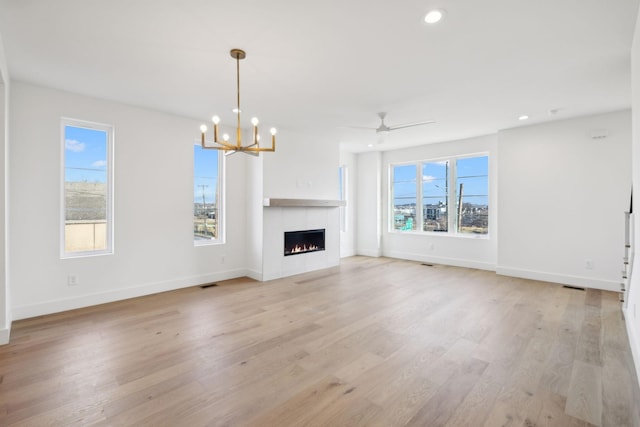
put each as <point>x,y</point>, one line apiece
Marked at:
<point>357,127</point>
<point>408,125</point>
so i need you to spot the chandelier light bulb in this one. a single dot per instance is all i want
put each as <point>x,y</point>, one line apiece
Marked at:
<point>254,121</point>
<point>225,137</point>
<point>215,120</point>
<point>203,128</point>
<point>273,131</point>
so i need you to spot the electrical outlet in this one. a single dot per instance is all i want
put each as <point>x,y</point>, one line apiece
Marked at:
<point>588,264</point>
<point>222,259</point>
<point>72,280</point>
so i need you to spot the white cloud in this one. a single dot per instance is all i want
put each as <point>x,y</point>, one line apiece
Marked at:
<point>99,164</point>
<point>428,178</point>
<point>73,145</point>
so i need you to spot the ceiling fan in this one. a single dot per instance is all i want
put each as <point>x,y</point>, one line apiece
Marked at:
<point>383,129</point>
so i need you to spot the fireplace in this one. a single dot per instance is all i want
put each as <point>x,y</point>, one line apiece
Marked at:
<point>300,242</point>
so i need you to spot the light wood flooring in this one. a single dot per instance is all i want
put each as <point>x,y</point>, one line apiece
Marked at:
<point>375,342</point>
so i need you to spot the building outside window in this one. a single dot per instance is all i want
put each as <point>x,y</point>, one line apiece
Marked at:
<point>87,188</point>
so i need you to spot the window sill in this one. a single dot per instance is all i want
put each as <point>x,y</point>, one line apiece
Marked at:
<point>439,235</point>
<point>203,242</point>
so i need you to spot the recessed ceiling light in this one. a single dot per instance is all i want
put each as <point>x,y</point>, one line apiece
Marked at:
<point>434,16</point>
<point>523,117</point>
<point>369,145</point>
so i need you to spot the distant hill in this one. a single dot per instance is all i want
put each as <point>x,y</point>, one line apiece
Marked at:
<point>85,201</point>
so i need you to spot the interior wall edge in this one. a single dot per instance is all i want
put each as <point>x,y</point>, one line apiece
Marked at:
<point>634,342</point>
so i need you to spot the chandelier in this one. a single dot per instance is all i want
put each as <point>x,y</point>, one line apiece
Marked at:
<point>253,148</point>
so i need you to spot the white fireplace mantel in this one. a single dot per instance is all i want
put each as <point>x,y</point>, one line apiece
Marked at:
<point>303,203</point>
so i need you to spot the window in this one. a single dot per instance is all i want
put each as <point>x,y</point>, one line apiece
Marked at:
<point>342,194</point>
<point>462,182</point>
<point>404,197</point>
<point>473,195</point>
<point>207,196</point>
<point>87,199</point>
<point>435,196</point>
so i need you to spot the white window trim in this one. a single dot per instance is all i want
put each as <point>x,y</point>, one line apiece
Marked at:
<point>451,198</point>
<point>109,129</point>
<point>220,188</point>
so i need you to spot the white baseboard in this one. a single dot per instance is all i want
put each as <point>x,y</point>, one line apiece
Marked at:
<point>456,262</point>
<point>308,268</point>
<point>4,335</point>
<point>369,252</point>
<point>255,275</point>
<point>634,341</point>
<point>583,282</point>
<point>56,306</point>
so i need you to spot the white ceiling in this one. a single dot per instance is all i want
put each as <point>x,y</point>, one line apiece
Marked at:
<point>319,66</point>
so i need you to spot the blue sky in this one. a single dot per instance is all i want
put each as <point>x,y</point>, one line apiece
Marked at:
<point>205,168</point>
<point>471,171</point>
<point>476,186</point>
<point>85,154</point>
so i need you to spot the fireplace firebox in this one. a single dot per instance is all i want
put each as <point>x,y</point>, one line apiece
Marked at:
<point>303,241</point>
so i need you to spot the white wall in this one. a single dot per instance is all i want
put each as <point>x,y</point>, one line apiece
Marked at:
<point>348,237</point>
<point>153,243</point>
<point>304,166</point>
<point>5,306</point>
<point>633,298</point>
<point>465,251</point>
<point>255,216</point>
<point>369,187</point>
<point>562,197</point>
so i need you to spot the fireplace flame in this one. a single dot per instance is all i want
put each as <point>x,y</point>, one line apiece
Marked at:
<point>303,248</point>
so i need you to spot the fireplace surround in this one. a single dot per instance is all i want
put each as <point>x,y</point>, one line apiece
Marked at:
<point>285,215</point>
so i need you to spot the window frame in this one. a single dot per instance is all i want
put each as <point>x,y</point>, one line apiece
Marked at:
<point>420,197</point>
<point>221,208</point>
<point>456,189</point>
<point>418,188</point>
<point>452,208</point>
<point>110,151</point>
